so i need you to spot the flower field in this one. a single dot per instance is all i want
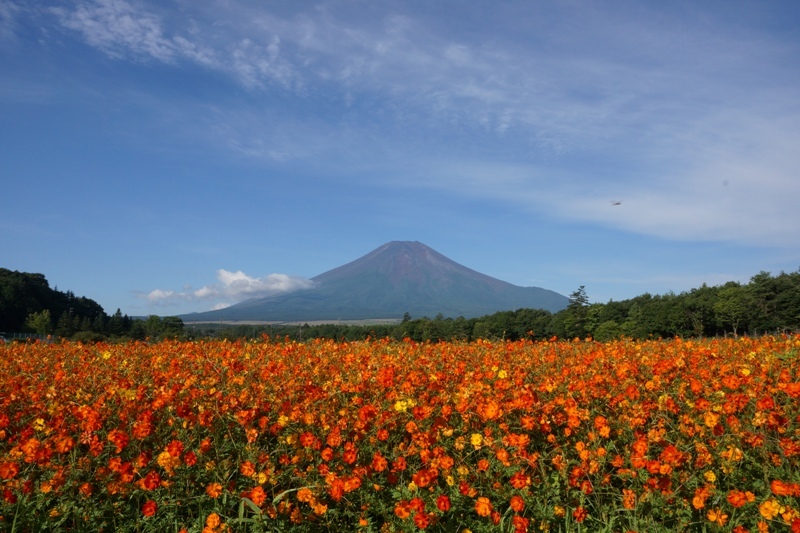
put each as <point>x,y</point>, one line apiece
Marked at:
<point>674,435</point>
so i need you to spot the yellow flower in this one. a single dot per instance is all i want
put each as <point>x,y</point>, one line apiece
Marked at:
<point>401,406</point>
<point>476,439</point>
<point>710,419</point>
<point>710,476</point>
<point>770,509</point>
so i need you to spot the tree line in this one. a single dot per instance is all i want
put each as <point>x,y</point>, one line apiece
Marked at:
<point>29,305</point>
<point>767,304</point>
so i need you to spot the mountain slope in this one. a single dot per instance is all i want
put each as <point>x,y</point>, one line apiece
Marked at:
<point>396,278</point>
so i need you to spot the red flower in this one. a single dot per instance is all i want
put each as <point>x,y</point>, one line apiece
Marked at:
<point>190,459</point>
<point>580,514</point>
<point>149,508</point>
<point>175,448</point>
<point>443,503</point>
<point>151,481</point>
<point>421,520</point>
<point>417,504</point>
<point>520,524</point>
<point>520,480</point>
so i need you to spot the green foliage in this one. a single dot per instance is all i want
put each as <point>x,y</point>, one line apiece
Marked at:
<point>40,323</point>
<point>768,304</point>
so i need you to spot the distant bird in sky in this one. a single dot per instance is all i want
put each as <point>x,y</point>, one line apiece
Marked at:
<point>616,202</point>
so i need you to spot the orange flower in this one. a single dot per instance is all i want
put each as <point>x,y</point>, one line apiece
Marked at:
<point>489,410</point>
<point>349,456</point>
<point>517,504</point>
<point>247,469</point>
<point>214,490</point>
<point>402,510</point>
<point>213,520</point>
<point>520,480</point>
<point>258,496</point>
<point>379,462</point>
<point>700,496</point>
<point>205,445</point>
<point>8,470</point>
<point>738,498</point>
<point>483,506</point>
<point>85,490</point>
<point>628,499</point>
<point>717,516</point>
<point>782,488</point>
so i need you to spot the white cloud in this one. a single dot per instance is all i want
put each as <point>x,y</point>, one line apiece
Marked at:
<point>231,287</point>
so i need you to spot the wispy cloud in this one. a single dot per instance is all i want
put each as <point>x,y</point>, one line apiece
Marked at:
<point>121,31</point>
<point>231,288</point>
<point>8,14</point>
<point>691,122</point>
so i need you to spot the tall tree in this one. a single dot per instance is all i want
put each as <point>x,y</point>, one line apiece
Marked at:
<point>733,307</point>
<point>576,314</point>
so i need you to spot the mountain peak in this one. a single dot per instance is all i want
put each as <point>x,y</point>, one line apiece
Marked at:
<point>395,278</point>
<point>400,262</point>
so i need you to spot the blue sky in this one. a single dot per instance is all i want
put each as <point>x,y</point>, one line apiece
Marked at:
<point>177,156</point>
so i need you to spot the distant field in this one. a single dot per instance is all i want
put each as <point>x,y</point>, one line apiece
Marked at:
<point>365,322</point>
<point>212,436</point>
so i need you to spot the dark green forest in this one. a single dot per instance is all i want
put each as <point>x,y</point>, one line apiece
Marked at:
<point>766,305</point>
<point>29,306</point>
